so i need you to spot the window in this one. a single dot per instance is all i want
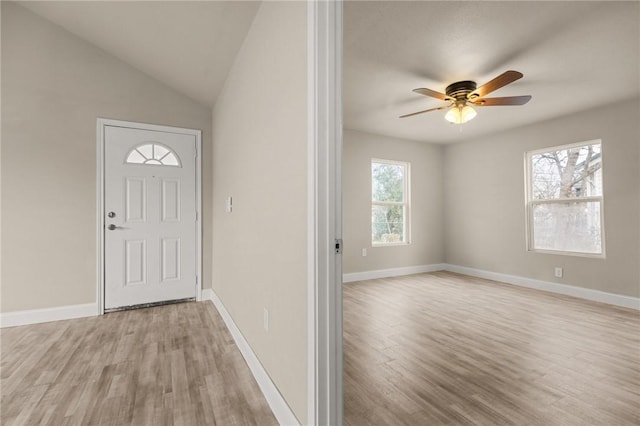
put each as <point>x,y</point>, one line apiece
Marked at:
<point>154,154</point>
<point>389,202</point>
<point>564,199</point>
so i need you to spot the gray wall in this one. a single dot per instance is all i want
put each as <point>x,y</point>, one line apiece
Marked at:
<point>260,157</point>
<point>426,202</point>
<point>485,205</point>
<point>468,201</point>
<point>54,86</point>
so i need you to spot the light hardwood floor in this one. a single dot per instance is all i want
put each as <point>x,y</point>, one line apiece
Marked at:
<point>447,349</point>
<point>168,365</point>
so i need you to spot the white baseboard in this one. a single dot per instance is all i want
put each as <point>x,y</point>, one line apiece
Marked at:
<point>569,290</point>
<point>278,405</point>
<point>392,272</point>
<point>36,316</point>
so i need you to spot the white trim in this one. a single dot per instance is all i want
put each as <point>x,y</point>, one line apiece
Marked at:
<point>100,125</point>
<point>199,213</point>
<point>324,163</point>
<point>570,253</point>
<point>569,290</point>
<point>278,405</point>
<point>100,216</point>
<point>406,203</point>
<point>148,126</point>
<point>381,245</point>
<point>391,272</point>
<point>565,146</point>
<point>588,199</point>
<point>530,202</point>
<point>36,316</point>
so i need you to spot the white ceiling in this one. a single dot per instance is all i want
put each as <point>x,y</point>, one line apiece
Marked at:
<point>574,55</point>
<point>188,45</point>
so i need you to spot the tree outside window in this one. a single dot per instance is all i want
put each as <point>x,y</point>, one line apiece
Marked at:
<point>389,202</point>
<point>564,198</point>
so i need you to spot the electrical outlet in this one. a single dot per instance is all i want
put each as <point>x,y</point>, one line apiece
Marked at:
<point>558,272</point>
<point>266,319</point>
<point>364,252</point>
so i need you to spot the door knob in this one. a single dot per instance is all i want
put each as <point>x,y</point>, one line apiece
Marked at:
<point>112,227</point>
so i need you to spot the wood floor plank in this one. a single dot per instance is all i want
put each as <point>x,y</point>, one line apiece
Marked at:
<point>168,365</point>
<point>444,348</point>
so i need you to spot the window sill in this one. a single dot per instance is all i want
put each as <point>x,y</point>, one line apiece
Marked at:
<point>569,253</point>
<point>374,245</point>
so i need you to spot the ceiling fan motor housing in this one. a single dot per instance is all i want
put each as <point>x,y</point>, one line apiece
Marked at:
<point>460,90</point>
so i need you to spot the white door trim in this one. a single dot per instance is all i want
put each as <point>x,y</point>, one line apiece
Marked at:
<point>101,124</point>
<point>324,147</point>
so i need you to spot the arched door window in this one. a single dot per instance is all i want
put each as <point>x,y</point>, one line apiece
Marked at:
<point>153,154</point>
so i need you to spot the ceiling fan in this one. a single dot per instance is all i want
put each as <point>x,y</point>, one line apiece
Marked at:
<point>463,94</point>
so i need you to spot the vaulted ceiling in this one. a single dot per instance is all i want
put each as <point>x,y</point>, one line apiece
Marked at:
<point>574,55</point>
<point>188,45</point>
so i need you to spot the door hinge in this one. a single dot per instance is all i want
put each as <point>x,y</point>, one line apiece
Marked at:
<point>338,245</point>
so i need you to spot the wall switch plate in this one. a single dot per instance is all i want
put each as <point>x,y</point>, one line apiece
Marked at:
<point>558,272</point>
<point>364,252</point>
<point>228,205</point>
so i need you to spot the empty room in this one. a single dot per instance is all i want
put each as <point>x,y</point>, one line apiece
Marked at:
<point>320,213</point>
<point>491,262</point>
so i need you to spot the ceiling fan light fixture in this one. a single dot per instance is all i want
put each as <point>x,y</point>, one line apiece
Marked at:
<point>460,114</point>
<point>463,93</point>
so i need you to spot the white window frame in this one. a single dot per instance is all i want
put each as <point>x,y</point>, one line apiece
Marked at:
<point>406,203</point>
<point>530,203</point>
<point>170,153</point>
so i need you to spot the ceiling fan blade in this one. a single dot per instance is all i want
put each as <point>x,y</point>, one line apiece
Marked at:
<point>422,112</point>
<point>432,93</point>
<point>498,82</point>
<point>509,100</point>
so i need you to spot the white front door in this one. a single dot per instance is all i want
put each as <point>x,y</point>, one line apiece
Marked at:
<point>150,216</point>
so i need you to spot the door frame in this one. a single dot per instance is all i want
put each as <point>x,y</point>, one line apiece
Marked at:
<point>324,207</point>
<point>101,124</point>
